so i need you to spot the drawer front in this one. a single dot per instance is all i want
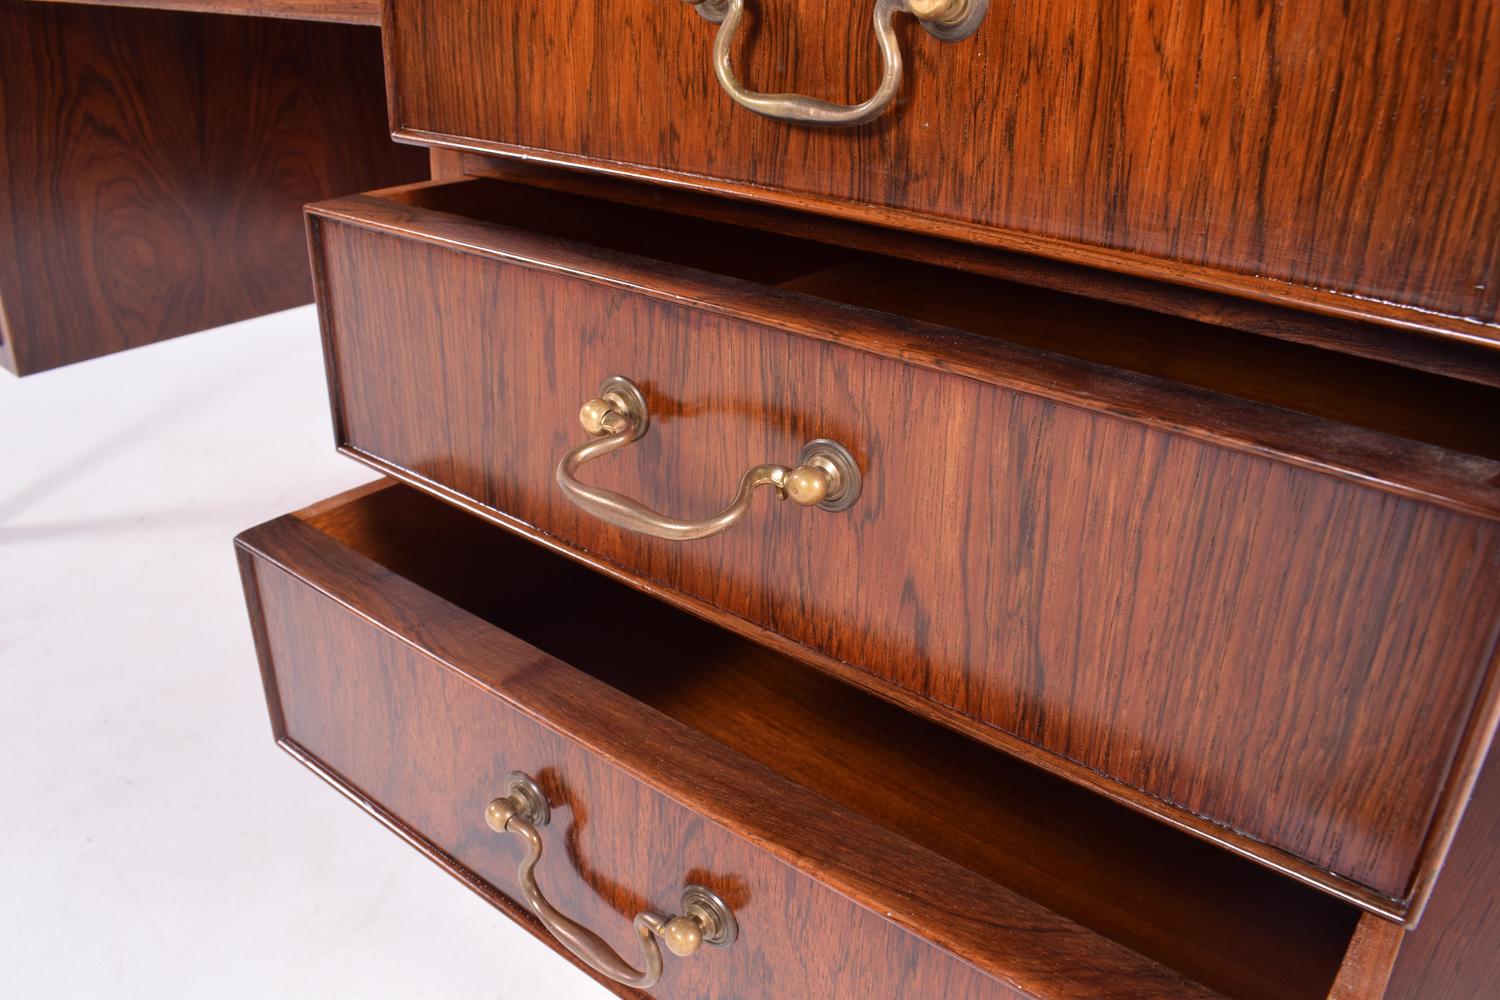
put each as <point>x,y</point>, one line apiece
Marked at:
<point>1289,655</point>
<point>419,711</point>
<point>1336,155</point>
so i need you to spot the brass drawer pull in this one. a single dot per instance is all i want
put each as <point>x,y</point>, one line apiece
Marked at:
<point>949,20</point>
<point>826,475</point>
<point>705,919</point>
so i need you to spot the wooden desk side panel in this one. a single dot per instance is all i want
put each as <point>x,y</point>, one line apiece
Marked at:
<point>153,167</point>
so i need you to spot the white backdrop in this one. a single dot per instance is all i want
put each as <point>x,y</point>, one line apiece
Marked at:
<point>154,843</point>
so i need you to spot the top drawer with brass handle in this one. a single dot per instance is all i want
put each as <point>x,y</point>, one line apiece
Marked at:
<point>1211,583</point>
<point>1334,156</point>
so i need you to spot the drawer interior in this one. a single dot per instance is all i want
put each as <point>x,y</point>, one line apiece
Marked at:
<point>1221,920</point>
<point>1419,406</point>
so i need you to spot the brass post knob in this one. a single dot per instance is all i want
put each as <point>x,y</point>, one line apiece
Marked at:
<point>807,485</point>
<point>682,936</point>
<point>595,415</point>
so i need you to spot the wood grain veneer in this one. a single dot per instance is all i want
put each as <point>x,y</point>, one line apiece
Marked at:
<point>1268,627</point>
<point>1337,157</point>
<point>153,167</point>
<point>738,767</point>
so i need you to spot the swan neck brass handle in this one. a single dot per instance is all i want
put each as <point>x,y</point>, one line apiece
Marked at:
<point>948,20</point>
<point>705,919</point>
<point>825,475</point>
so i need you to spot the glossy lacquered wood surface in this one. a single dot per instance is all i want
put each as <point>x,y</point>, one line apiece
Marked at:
<point>345,11</point>
<point>416,708</point>
<point>1339,157</point>
<point>153,167</point>
<point>1289,655</point>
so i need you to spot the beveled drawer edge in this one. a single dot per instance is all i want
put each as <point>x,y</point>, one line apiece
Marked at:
<point>250,583</point>
<point>1253,287</point>
<point>1134,798</point>
<point>325,324</point>
<point>748,816</point>
<point>499,900</point>
<point>1413,470</point>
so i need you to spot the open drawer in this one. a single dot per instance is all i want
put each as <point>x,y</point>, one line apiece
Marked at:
<point>415,657</point>
<point>1221,578</point>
